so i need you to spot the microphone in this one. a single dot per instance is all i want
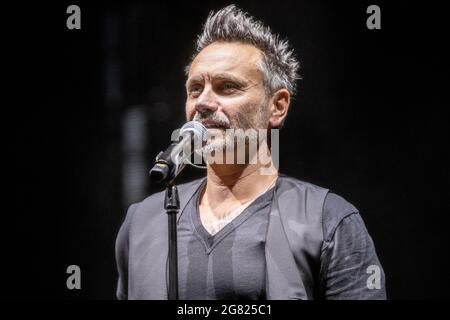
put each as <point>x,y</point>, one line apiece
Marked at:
<point>171,162</point>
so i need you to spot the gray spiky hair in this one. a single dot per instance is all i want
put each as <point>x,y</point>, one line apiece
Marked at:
<point>279,65</point>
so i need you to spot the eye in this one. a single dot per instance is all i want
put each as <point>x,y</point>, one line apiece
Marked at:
<point>228,87</point>
<point>195,90</point>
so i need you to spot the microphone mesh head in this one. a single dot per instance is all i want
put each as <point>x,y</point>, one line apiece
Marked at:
<point>197,129</point>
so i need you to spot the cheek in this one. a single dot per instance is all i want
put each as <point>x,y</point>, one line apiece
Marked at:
<point>236,105</point>
<point>248,114</point>
<point>190,111</point>
<point>247,106</point>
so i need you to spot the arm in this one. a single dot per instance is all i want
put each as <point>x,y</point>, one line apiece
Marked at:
<point>122,250</point>
<point>350,268</point>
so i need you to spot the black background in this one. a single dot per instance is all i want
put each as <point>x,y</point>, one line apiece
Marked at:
<point>369,122</point>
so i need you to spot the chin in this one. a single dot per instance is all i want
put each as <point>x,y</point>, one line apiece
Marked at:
<point>216,145</point>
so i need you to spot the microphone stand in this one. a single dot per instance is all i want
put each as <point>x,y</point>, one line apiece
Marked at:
<point>166,170</point>
<point>163,171</point>
<point>172,206</point>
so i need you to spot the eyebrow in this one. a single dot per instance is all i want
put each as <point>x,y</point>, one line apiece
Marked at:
<point>193,80</point>
<point>228,76</point>
<point>220,76</point>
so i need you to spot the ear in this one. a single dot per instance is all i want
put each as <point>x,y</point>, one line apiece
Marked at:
<point>279,107</point>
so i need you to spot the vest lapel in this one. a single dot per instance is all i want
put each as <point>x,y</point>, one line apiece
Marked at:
<point>283,281</point>
<point>294,239</point>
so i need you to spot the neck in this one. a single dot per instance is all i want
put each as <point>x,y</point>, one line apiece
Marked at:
<point>228,183</point>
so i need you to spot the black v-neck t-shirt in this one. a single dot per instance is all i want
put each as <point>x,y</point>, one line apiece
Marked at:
<point>230,264</point>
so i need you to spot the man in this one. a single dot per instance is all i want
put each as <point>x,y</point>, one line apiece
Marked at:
<point>246,233</point>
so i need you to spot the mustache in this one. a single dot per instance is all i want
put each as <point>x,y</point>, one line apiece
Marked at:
<point>219,120</point>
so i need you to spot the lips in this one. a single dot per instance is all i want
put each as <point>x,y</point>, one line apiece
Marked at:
<point>213,125</point>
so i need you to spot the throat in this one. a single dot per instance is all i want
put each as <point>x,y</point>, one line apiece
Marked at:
<point>214,217</point>
<point>214,221</point>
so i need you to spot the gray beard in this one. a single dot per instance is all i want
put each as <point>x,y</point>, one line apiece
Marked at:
<point>242,121</point>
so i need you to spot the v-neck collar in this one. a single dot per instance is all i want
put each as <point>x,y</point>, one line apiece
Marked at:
<point>211,241</point>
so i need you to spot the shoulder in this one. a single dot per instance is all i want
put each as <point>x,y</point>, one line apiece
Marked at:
<point>290,182</point>
<point>300,192</point>
<point>300,202</point>
<point>153,204</point>
<point>331,207</point>
<point>336,209</point>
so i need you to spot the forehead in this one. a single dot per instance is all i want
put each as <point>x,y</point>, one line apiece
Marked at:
<point>235,58</point>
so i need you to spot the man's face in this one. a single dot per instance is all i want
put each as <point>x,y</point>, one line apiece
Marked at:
<point>225,88</point>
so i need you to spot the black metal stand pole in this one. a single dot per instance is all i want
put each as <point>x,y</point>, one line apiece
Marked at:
<point>172,206</point>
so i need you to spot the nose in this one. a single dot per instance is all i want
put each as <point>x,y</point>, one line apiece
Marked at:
<point>206,103</point>
<point>205,107</point>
